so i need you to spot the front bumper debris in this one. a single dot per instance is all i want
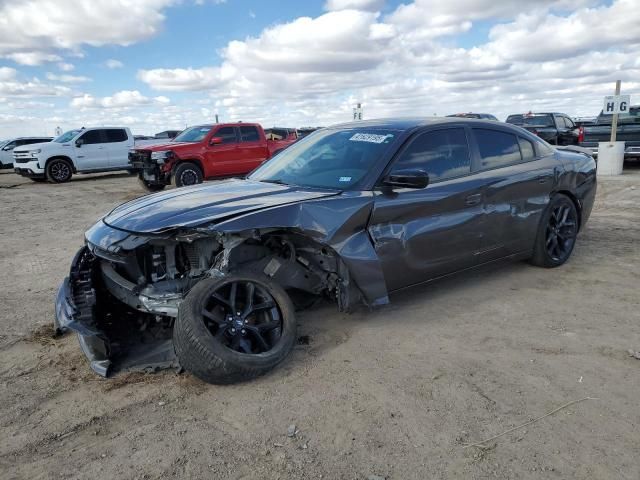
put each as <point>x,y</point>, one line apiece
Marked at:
<point>111,337</point>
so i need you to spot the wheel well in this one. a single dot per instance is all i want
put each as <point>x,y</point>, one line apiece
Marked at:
<point>575,201</point>
<point>61,157</point>
<point>297,261</point>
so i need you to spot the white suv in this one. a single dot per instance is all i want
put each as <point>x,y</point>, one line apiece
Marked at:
<point>7,146</point>
<point>87,150</point>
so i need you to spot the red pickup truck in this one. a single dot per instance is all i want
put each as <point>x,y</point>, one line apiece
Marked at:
<point>207,151</point>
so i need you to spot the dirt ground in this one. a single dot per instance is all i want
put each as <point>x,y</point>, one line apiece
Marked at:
<point>394,393</point>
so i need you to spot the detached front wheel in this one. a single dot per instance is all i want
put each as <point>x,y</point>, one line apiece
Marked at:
<point>234,328</point>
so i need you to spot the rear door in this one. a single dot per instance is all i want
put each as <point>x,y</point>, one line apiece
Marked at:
<point>92,154</point>
<point>425,233</point>
<point>567,131</point>
<point>221,158</point>
<point>252,148</point>
<point>118,145</point>
<point>519,174</point>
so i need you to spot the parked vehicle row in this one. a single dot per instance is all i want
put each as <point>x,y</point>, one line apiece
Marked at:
<point>208,151</point>
<point>628,131</point>
<point>208,277</point>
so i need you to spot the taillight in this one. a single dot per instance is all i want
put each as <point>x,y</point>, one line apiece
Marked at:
<point>580,134</point>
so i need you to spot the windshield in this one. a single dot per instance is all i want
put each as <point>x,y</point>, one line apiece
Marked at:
<point>67,136</point>
<point>336,159</point>
<point>533,120</point>
<point>193,134</point>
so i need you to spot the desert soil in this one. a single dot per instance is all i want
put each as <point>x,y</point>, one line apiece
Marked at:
<point>395,393</point>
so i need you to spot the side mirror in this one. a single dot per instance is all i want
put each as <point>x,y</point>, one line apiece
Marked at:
<point>79,142</point>
<point>216,141</point>
<point>407,179</point>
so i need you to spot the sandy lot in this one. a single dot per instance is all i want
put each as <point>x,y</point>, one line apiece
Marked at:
<point>394,393</point>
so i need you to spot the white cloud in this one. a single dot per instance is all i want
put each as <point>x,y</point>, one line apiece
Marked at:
<point>32,58</point>
<point>124,99</point>
<point>66,67</point>
<point>7,73</point>
<point>67,78</point>
<point>113,64</point>
<point>364,5</point>
<point>31,31</point>
<point>180,79</point>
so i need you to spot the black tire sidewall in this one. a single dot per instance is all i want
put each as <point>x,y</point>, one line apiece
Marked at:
<point>209,360</point>
<point>53,162</point>
<point>183,167</point>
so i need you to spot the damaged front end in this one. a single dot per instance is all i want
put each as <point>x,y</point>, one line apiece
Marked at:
<point>125,290</point>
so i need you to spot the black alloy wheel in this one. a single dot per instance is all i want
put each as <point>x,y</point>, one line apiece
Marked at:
<point>233,328</point>
<point>243,317</point>
<point>561,232</point>
<point>557,233</point>
<point>187,173</point>
<point>59,171</point>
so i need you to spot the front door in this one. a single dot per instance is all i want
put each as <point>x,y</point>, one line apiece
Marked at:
<point>92,154</point>
<point>221,157</point>
<point>420,234</point>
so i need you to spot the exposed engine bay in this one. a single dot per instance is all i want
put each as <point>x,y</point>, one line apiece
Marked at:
<point>131,297</point>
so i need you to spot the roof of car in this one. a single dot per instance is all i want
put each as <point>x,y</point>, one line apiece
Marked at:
<point>410,123</point>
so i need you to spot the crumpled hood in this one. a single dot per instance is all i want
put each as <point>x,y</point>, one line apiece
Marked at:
<point>201,204</point>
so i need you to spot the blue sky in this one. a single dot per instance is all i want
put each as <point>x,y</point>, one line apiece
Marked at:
<point>178,62</point>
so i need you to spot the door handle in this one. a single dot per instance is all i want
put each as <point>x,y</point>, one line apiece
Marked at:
<point>473,199</point>
<point>542,179</point>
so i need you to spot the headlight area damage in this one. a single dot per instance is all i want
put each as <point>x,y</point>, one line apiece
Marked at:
<point>221,305</point>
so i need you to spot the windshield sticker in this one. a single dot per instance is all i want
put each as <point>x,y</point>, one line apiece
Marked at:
<point>345,179</point>
<point>370,138</point>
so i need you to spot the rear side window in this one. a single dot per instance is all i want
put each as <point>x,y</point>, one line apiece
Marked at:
<point>228,134</point>
<point>116,135</point>
<point>442,154</point>
<point>497,149</point>
<point>92,137</point>
<point>526,149</point>
<point>249,134</point>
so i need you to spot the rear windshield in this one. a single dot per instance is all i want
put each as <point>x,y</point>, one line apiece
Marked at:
<point>532,119</point>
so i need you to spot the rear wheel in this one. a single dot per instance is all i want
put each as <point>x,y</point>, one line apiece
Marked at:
<point>234,328</point>
<point>59,170</point>
<point>188,173</point>
<point>557,233</point>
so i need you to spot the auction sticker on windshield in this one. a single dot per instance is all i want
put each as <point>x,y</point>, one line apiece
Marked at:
<point>370,137</point>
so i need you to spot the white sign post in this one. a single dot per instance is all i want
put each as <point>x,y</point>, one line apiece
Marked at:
<point>611,155</point>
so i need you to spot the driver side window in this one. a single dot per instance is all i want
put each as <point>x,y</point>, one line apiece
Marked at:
<point>442,154</point>
<point>92,137</point>
<point>228,134</point>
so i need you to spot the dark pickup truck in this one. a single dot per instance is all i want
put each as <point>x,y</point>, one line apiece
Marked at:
<point>555,128</point>
<point>628,131</point>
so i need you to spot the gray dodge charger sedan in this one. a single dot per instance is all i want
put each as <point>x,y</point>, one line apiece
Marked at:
<point>209,277</point>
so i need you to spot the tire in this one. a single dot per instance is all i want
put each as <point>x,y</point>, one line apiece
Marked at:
<point>59,170</point>
<point>203,338</point>
<point>557,233</point>
<point>151,187</point>
<point>187,173</point>
<point>38,180</point>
